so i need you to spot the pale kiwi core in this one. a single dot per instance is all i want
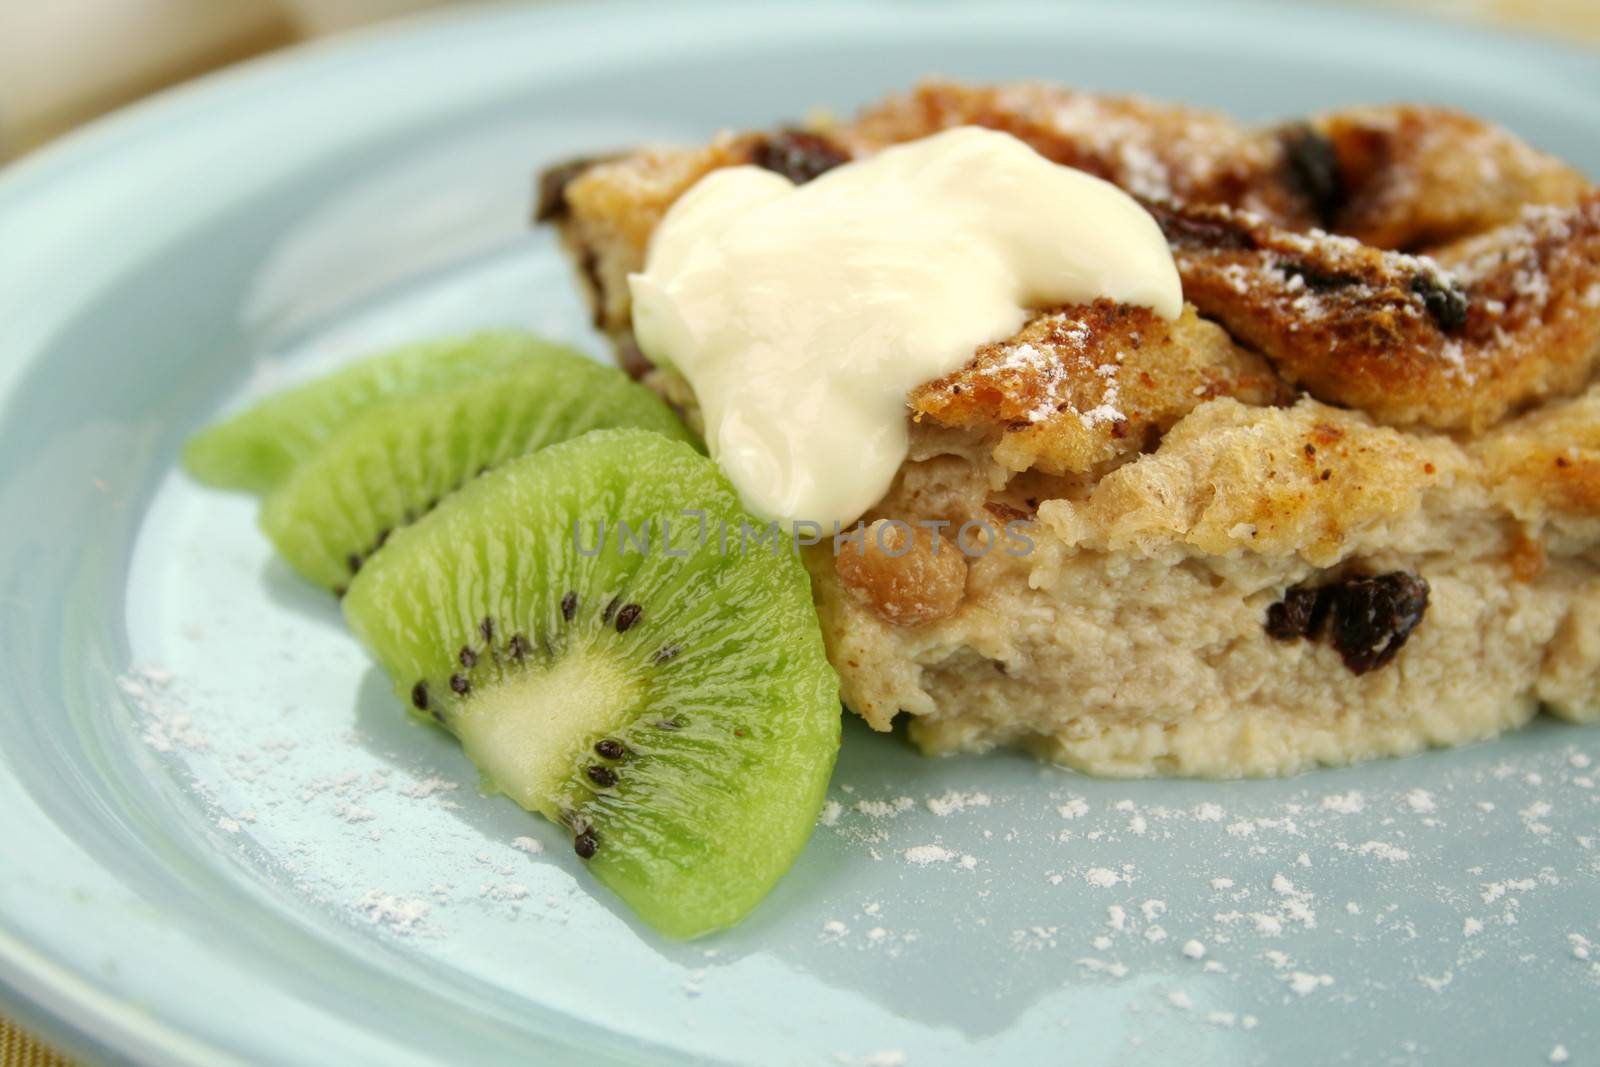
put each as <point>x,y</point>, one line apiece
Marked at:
<point>802,316</point>
<point>528,733</point>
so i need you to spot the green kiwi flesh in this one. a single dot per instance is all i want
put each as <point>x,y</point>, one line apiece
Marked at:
<point>396,460</point>
<point>672,707</point>
<point>257,449</point>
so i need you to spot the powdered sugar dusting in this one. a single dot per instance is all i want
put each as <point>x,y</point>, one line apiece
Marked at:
<point>955,801</point>
<point>923,855</point>
<point>399,914</point>
<point>883,1058</point>
<point>1061,880</point>
<point>168,723</point>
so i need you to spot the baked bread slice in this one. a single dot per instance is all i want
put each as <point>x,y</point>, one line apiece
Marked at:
<point>1346,506</point>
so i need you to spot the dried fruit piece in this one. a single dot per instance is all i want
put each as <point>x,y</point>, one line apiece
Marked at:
<point>1370,618</point>
<point>799,155</point>
<point>1365,619</point>
<point>905,575</point>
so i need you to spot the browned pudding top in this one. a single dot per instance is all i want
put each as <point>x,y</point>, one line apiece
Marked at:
<point>1412,263</point>
<point>1398,177</point>
<point>1489,327</point>
<point>1081,386</point>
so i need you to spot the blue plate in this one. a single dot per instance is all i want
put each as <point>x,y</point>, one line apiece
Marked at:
<point>224,841</point>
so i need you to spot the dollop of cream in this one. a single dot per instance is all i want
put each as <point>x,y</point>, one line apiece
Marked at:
<point>802,316</point>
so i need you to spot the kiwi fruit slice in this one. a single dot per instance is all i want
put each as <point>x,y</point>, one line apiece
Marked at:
<point>256,450</point>
<point>661,694</point>
<point>396,460</point>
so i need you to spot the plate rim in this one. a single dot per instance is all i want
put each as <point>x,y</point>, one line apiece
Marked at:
<point>66,1006</point>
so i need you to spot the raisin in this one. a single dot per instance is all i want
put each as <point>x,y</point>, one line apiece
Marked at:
<point>1290,618</point>
<point>798,155</point>
<point>1370,618</point>
<point>589,269</point>
<point>1365,619</point>
<point>551,202</point>
<point>1445,301</point>
<point>1311,170</point>
<point>1316,279</point>
<point>1195,231</point>
<point>634,363</point>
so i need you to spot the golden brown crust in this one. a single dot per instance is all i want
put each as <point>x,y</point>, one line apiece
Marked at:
<point>1412,177</point>
<point>1394,176</point>
<point>1395,335</point>
<point>1501,318</point>
<point>1154,150</point>
<point>1079,387</point>
<point>1548,460</point>
<point>607,210</point>
<point>1299,481</point>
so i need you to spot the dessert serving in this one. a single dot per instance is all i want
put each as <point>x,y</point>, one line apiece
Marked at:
<point>1345,505</point>
<point>669,705</point>
<point>1113,430</point>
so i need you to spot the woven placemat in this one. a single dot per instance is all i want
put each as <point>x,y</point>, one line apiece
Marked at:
<point>18,1049</point>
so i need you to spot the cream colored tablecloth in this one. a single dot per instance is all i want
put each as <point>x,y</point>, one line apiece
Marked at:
<point>41,96</point>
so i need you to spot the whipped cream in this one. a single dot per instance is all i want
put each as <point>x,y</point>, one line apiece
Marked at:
<point>802,316</point>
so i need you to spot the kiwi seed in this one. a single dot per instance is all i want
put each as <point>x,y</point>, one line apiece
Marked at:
<point>459,684</point>
<point>419,696</point>
<point>469,658</point>
<point>585,844</point>
<point>628,616</point>
<point>486,628</point>
<point>604,777</point>
<point>569,606</point>
<point>518,647</point>
<point>610,748</point>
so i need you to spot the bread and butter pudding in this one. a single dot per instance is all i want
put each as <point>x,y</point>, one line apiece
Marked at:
<point>1341,502</point>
